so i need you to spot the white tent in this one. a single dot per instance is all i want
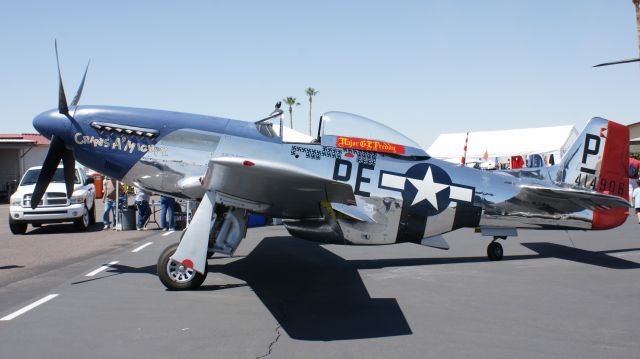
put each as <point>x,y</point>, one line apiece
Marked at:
<point>527,141</point>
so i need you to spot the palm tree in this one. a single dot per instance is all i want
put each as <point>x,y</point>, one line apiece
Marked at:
<point>291,101</point>
<point>312,92</point>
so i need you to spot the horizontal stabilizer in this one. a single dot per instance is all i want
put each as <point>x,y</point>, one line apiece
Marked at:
<point>435,242</point>
<point>570,200</point>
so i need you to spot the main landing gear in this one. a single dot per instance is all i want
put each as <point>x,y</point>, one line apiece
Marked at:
<point>214,229</point>
<point>494,249</point>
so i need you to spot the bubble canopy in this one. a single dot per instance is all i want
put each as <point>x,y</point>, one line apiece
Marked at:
<point>344,124</point>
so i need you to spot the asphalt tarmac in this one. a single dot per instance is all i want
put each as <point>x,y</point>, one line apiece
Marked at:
<point>554,295</point>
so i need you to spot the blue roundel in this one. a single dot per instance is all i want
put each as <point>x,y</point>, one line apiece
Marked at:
<point>426,190</point>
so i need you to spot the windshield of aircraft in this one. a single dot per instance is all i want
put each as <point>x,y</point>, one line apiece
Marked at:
<point>352,129</point>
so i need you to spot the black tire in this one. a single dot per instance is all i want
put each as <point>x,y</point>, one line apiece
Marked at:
<point>17,227</point>
<point>82,223</point>
<point>92,214</point>
<point>36,225</point>
<point>494,251</point>
<point>177,277</point>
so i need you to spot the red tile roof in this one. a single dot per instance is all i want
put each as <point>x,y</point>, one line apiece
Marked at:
<point>35,137</point>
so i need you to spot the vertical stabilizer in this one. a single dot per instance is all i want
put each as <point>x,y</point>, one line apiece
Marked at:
<point>598,160</point>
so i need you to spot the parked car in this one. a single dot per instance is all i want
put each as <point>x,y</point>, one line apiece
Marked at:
<point>54,207</point>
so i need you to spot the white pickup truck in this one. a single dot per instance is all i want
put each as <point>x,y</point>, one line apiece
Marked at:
<point>54,206</point>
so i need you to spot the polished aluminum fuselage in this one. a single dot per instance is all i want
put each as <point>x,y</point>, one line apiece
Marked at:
<point>401,197</point>
<point>494,200</point>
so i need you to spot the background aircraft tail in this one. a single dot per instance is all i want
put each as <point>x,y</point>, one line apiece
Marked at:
<point>599,160</point>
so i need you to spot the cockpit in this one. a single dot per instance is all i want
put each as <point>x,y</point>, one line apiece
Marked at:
<point>349,131</point>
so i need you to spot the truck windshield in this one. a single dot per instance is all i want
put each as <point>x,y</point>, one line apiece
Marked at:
<point>31,177</point>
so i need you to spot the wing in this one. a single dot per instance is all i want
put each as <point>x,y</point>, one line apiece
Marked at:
<point>569,200</point>
<point>284,189</point>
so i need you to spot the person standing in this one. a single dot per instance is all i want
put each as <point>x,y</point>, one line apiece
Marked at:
<point>109,200</point>
<point>144,210</point>
<point>636,199</point>
<point>166,208</point>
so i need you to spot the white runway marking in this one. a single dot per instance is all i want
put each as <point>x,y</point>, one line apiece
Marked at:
<point>29,307</point>
<point>168,233</point>
<point>141,247</point>
<point>91,274</point>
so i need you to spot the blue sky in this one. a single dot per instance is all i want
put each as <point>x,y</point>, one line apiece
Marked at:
<point>422,67</point>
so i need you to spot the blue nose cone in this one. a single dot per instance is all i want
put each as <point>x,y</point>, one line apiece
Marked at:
<point>50,123</point>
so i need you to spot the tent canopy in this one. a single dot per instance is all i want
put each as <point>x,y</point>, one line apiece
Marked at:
<point>541,140</point>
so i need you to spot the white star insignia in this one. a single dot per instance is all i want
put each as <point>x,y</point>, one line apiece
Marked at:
<point>427,189</point>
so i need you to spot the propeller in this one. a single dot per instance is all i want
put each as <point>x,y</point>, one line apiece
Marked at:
<point>57,148</point>
<point>617,62</point>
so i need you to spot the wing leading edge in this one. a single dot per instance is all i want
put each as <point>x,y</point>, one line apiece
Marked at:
<point>287,190</point>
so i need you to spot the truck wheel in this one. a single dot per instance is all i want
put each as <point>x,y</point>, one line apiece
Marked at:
<point>82,223</point>
<point>16,227</point>
<point>92,214</point>
<point>174,275</point>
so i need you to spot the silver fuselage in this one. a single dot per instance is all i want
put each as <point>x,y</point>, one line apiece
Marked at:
<point>407,198</point>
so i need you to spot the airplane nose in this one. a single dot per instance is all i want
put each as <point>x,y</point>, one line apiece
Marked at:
<point>49,123</point>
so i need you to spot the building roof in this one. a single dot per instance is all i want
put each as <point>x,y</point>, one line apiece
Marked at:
<point>541,140</point>
<point>34,138</point>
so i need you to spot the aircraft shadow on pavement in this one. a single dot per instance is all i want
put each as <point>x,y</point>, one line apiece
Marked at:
<point>600,259</point>
<point>11,266</point>
<point>317,295</point>
<point>63,228</point>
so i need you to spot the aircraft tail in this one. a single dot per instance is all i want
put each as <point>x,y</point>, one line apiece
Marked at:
<point>599,160</point>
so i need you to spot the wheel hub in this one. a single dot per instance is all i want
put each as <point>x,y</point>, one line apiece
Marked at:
<point>179,272</point>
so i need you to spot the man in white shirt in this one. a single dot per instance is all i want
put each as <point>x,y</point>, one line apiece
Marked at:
<point>144,211</point>
<point>636,199</point>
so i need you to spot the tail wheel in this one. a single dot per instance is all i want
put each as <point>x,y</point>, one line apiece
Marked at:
<point>176,276</point>
<point>494,251</point>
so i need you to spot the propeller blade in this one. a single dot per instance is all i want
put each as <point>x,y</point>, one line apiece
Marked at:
<point>62,98</point>
<point>617,62</point>
<point>76,99</point>
<point>51,162</point>
<point>69,163</point>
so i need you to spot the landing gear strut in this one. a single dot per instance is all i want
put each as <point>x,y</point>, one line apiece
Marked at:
<point>214,229</point>
<point>494,250</point>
